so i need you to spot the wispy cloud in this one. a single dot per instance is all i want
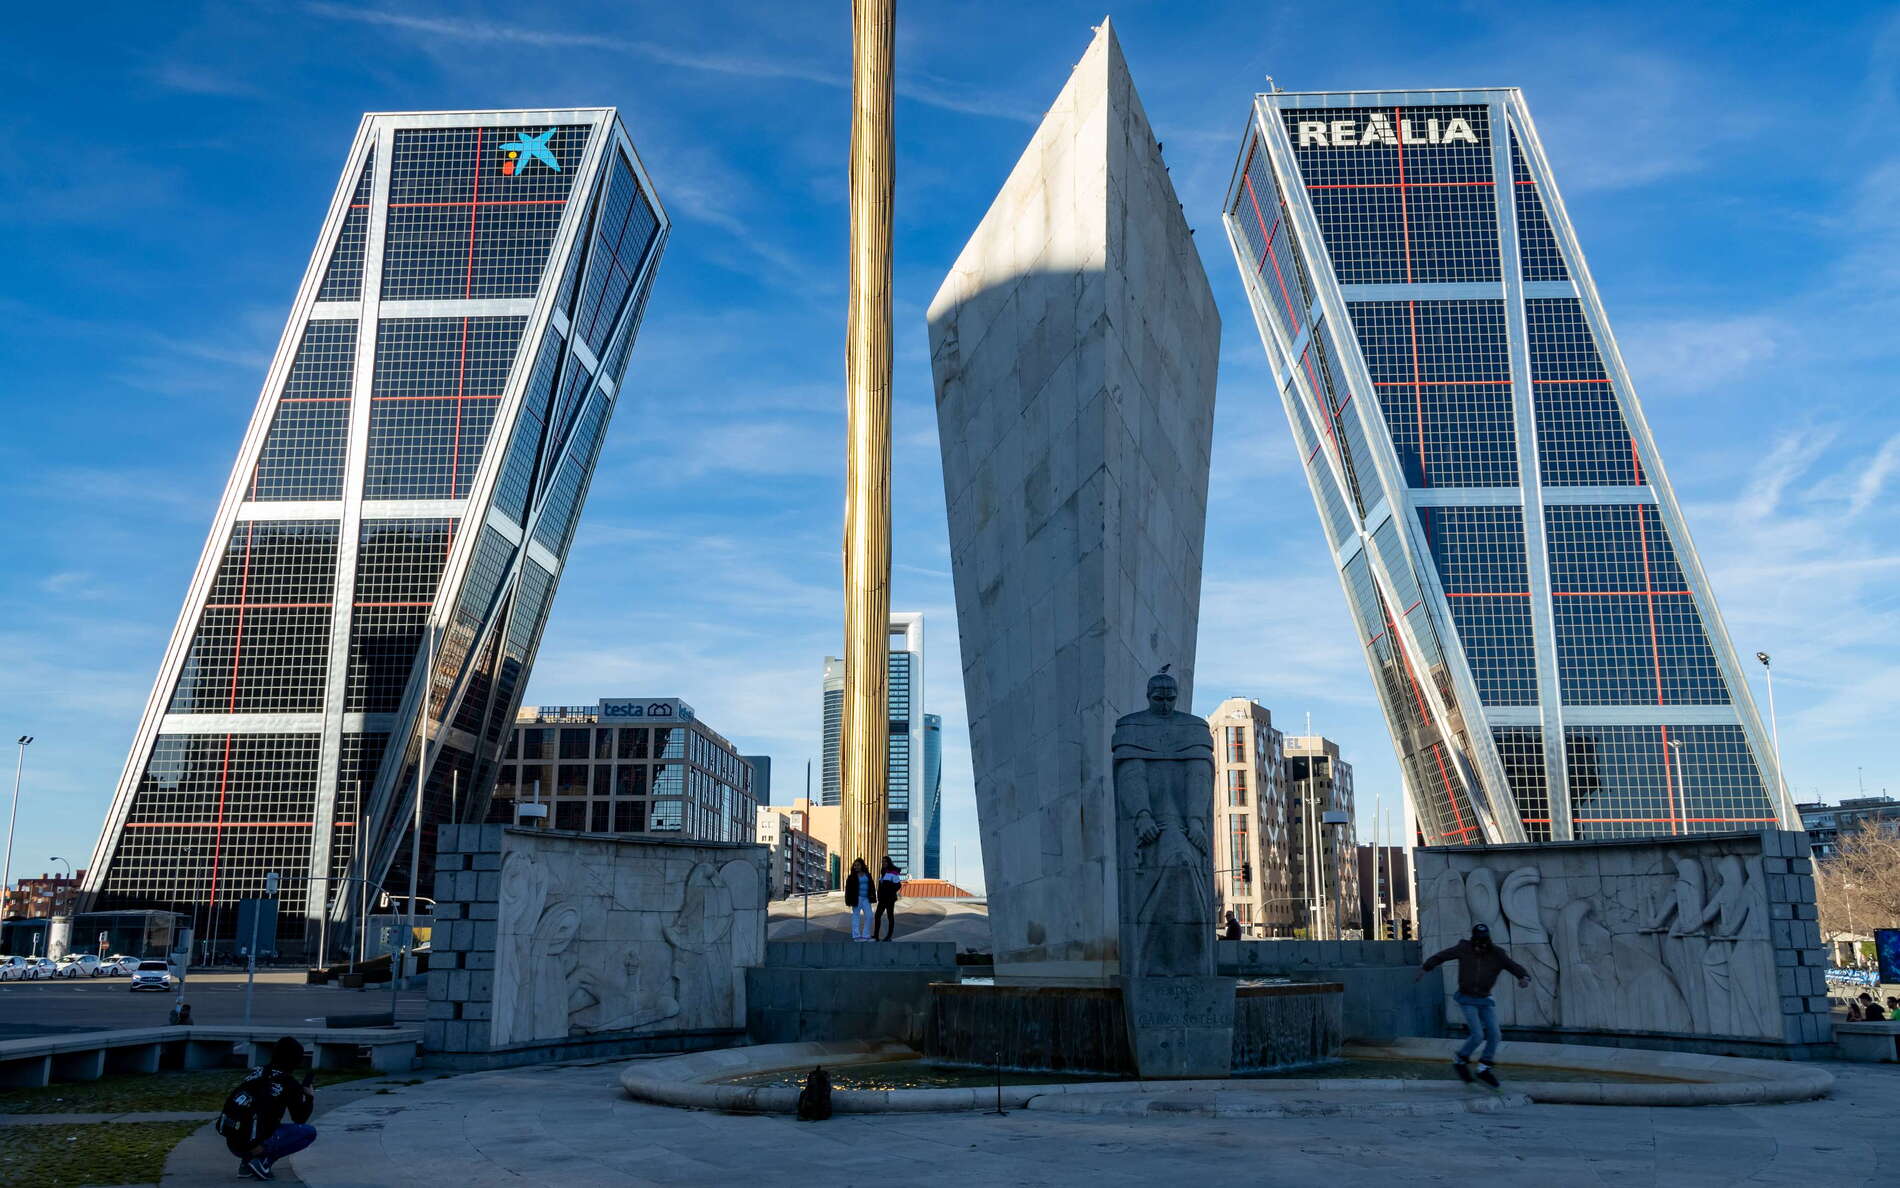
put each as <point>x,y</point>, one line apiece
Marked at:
<point>188,79</point>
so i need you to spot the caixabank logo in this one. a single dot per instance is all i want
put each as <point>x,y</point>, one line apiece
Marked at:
<point>518,153</point>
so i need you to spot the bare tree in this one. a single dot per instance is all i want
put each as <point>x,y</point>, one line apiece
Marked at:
<point>1858,890</point>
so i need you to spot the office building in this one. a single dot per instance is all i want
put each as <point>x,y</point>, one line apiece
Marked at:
<point>906,691</point>
<point>932,829</point>
<point>397,519</point>
<point>1540,633</point>
<point>1252,851</point>
<point>1385,893</point>
<point>1323,870</point>
<point>761,766</point>
<point>800,864</point>
<point>643,765</point>
<point>1827,824</point>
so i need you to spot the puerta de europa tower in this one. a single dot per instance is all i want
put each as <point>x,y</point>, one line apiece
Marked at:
<point>1544,643</point>
<point>408,488</point>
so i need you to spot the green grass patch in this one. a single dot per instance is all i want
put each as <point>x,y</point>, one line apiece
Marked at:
<point>200,1091</point>
<point>93,1153</point>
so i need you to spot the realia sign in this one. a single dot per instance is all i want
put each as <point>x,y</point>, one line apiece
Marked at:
<point>634,709</point>
<point>1379,129</point>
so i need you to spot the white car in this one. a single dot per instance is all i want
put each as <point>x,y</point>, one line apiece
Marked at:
<point>120,966</point>
<point>82,965</point>
<point>152,975</point>
<point>42,967</point>
<point>13,969</point>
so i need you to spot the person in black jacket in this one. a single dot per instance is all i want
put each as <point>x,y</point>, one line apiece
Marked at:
<point>1479,964</point>
<point>888,882</point>
<point>252,1121</point>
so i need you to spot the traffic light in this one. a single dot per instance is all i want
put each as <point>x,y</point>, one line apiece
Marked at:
<point>1246,872</point>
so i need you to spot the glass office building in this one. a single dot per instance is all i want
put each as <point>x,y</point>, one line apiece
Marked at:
<point>906,741</point>
<point>397,518</point>
<point>1541,635</point>
<point>932,827</point>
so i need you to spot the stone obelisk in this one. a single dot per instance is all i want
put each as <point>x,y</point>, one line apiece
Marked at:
<point>867,370</point>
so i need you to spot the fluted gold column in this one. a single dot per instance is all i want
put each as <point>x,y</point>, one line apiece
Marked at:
<point>867,381</point>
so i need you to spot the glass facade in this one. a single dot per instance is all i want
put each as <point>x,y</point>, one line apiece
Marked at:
<point>906,831</point>
<point>408,490</point>
<point>1543,642</point>
<point>933,796</point>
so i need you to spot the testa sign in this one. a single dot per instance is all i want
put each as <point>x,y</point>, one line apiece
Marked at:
<point>1379,129</point>
<point>639,709</point>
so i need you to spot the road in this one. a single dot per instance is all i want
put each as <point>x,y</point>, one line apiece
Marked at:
<point>95,1004</point>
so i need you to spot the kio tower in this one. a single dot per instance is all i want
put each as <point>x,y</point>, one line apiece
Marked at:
<point>406,493</point>
<point>1544,642</point>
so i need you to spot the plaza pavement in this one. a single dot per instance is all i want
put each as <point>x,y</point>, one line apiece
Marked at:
<point>570,1125</point>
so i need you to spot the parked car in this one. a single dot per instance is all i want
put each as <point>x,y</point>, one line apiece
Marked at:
<point>152,975</point>
<point>120,966</point>
<point>82,965</point>
<point>43,967</point>
<point>13,969</point>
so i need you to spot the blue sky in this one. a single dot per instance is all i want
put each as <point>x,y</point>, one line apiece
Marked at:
<point>1730,168</point>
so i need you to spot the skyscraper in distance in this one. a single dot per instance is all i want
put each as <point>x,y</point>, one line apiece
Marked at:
<point>906,740</point>
<point>1543,640</point>
<point>407,492</point>
<point>932,829</point>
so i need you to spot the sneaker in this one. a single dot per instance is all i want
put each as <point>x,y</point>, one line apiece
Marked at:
<point>1487,1076</point>
<point>257,1169</point>
<point>244,1170</point>
<point>1463,1070</point>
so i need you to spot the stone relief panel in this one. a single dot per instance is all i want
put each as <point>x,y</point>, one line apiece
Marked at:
<point>608,937</point>
<point>1663,938</point>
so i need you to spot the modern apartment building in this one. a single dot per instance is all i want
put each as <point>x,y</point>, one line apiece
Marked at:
<point>907,735</point>
<point>1253,851</point>
<point>800,863</point>
<point>396,521</point>
<point>1540,633</point>
<point>1828,823</point>
<point>626,765</point>
<point>1324,869</point>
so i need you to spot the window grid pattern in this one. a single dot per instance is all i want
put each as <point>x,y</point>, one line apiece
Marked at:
<point>1582,439</point>
<point>1521,751</point>
<point>1443,375</point>
<point>1628,631</point>
<point>343,275</point>
<point>1402,196</point>
<point>1536,245</point>
<point>303,454</point>
<point>1339,521</point>
<point>1479,553</point>
<point>1344,436</point>
<point>1261,217</point>
<point>399,563</point>
<point>438,382</point>
<point>468,219</point>
<point>627,224</point>
<point>516,486</point>
<point>359,757</point>
<point>263,640</point>
<point>1636,781</point>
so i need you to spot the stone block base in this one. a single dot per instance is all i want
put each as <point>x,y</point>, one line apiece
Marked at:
<point>1180,1027</point>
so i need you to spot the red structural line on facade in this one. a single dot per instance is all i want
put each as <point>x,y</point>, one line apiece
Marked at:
<point>242,606</point>
<point>456,397</point>
<point>1460,383</point>
<point>1565,593</point>
<point>1636,464</point>
<point>490,202</point>
<point>211,824</point>
<point>1319,396</point>
<point>361,605</point>
<point>1437,749</point>
<point>315,400</point>
<point>1405,218</point>
<point>1286,298</point>
<point>1409,185</point>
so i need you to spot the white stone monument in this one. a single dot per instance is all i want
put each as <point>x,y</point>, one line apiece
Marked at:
<point>1074,346</point>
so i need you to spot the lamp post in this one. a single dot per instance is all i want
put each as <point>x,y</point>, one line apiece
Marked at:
<point>69,896</point>
<point>1786,809</point>
<point>6,867</point>
<point>1682,778</point>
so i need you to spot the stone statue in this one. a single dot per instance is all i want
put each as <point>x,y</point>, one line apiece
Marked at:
<point>1164,780</point>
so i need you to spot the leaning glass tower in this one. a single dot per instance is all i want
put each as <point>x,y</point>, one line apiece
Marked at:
<point>397,519</point>
<point>1543,640</point>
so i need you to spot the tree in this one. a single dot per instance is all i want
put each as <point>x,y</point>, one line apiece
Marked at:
<point>1858,890</point>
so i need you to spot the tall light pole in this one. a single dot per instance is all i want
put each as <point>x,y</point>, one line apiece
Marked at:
<point>865,730</point>
<point>1682,779</point>
<point>6,867</point>
<point>69,897</point>
<point>1786,810</point>
<point>397,958</point>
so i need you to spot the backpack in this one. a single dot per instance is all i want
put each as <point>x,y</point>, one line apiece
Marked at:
<point>814,1100</point>
<point>237,1118</point>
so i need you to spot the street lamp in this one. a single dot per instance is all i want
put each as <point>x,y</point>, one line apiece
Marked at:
<point>6,866</point>
<point>1682,778</point>
<point>1774,726</point>
<point>69,892</point>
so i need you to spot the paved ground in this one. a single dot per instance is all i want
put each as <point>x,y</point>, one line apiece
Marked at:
<point>570,1125</point>
<point>90,1004</point>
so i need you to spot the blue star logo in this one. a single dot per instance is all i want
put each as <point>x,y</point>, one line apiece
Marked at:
<point>528,148</point>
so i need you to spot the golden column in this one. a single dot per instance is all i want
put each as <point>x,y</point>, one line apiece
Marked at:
<point>867,382</point>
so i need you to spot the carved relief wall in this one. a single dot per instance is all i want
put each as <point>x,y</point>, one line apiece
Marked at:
<point>1708,936</point>
<point>572,936</point>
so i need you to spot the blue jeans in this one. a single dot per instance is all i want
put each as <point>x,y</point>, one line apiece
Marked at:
<point>288,1139</point>
<point>861,920</point>
<point>1481,1017</point>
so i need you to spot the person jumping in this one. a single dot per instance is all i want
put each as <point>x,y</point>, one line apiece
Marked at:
<point>1479,963</point>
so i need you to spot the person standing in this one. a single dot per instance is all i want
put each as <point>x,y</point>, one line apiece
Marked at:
<point>252,1121</point>
<point>1232,930</point>
<point>1479,964</point>
<point>860,893</point>
<point>888,884</point>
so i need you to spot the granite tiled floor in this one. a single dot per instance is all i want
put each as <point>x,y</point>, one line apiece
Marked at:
<point>570,1125</point>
